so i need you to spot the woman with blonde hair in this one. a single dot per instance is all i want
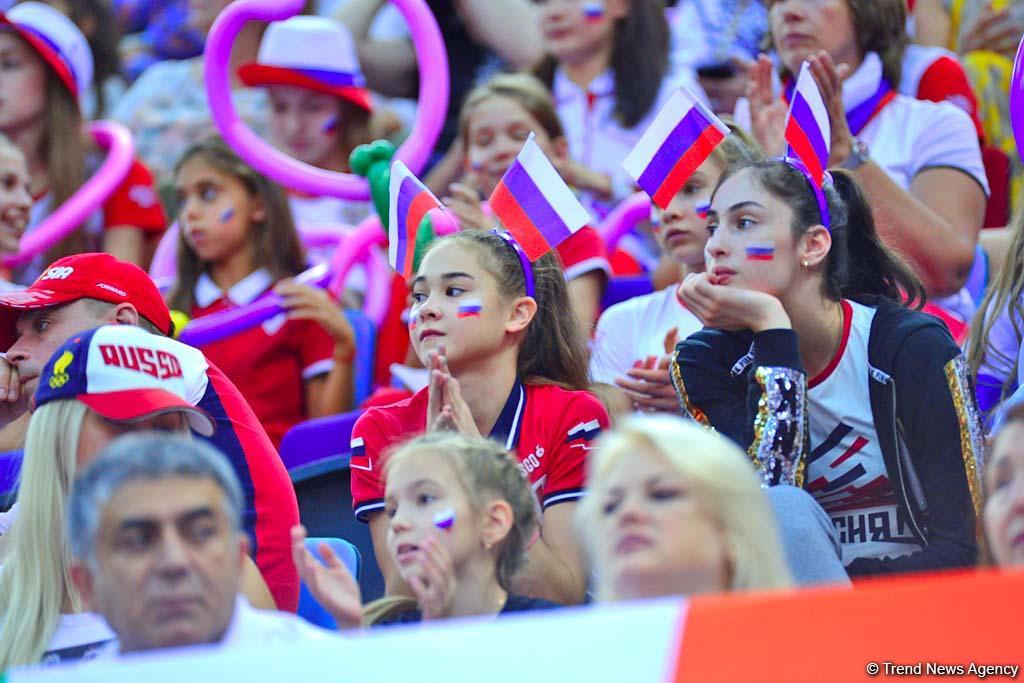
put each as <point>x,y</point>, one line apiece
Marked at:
<point>676,509</point>
<point>41,614</point>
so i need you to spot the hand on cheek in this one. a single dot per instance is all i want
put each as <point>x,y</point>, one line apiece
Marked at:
<point>432,579</point>
<point>730,308</point>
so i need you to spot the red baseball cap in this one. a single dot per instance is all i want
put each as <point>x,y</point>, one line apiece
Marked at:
<point>86,276</point>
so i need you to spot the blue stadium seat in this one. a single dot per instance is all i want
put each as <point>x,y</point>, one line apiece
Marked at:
<point>623,288</point>
<point>309,608</point>
<point>10,468</point>
<point>366,350</point>
<point>317,446</point>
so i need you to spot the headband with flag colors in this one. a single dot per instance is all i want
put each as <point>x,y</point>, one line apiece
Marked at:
<point>809,137</point>
<point>535,205</point>
<point>410,202</point>
<point>682,136</point>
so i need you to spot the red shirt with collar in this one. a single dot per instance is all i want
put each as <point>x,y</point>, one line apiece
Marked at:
<point>269,363</point>
<point>550,430</point>
<point>583,252</point>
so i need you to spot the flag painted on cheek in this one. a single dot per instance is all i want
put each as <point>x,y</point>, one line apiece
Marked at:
<point>227,214</point>
<point>593,11</point>
<point>410,201</point>
<point>535,205</point>
<point>808,131</point>
<point>330,125</point>
<point>760,252</point>
<point>702,210</point>
<point>681,137</point>
<point>470,308</point>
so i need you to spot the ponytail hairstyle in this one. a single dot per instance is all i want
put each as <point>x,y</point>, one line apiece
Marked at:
<point>1005,294</point>
<point>487,472</point>
<point>641,37</point>
<point>858,264</point>
<point>554,350</point>
<point>277,245</point>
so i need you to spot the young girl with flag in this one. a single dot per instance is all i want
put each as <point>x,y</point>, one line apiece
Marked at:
<point>495,120</point>
<point>811,361</point>
<point>492,322</point>
<point>678,161</point>
<point>460,515</point>
<point>237,242</point>
<point>919,161</point>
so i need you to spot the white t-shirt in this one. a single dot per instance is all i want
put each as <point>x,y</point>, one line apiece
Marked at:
<point>635,329</point>
<point>77,636</point>
<point>596,139</point>
<point>846,472</point>
<point>255,628</point>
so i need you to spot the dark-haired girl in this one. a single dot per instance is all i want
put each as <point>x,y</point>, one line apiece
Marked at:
<point>608,68</point>
<point>504,363</point>
<point>237,242</point>
<point>812,360</point>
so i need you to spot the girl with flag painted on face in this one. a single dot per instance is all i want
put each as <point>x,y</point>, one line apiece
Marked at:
<point>237,242</point>
<point>634,339</point>
<point>460,515</point>
<point>319,106</point>
<point>812,362</point>
<point>505,364</point>
<point>495,120</point>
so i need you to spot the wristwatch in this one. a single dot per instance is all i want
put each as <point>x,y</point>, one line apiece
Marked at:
<point>859,155</point>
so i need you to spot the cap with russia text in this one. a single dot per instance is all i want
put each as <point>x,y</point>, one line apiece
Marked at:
<point>85,276</point>
<point>123,373</point>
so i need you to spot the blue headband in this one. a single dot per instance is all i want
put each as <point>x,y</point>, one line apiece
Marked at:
<point>523,260</point>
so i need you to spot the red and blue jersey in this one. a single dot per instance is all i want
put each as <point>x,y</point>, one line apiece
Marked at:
<point>550,430</point>
<point>271,509</point>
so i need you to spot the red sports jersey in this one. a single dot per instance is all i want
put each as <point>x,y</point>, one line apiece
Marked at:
<point>550,430</point>
<point>135,202</point>
<point>582,253</point>
<point>270,362</point>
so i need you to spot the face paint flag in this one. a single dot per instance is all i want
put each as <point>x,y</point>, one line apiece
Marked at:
<point>682,136</point>
<point>760,252</point>
<point>702,209</point>
<point>593,11</point>
<point>470,308</point>
<point>534,203</point>
<point>808,132</point>
<point>410,202</point>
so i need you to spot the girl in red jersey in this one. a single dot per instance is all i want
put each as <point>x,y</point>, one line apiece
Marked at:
<point>238,241</point>
<point>502,364</point>
<point>460,515</point>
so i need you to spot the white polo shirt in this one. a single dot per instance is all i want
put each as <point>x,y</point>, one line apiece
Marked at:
<point>634,329</point>
<point>254,628</point>
<point>596,138</point>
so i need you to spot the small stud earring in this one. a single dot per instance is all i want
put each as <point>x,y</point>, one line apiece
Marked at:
<point>805,264</point>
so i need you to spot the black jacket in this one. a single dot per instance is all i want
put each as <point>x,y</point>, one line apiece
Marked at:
<point>753,389</point>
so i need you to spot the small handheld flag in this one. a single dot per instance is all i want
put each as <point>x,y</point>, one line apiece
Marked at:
<point>410,202</point>
<point>808,132</point>
<point>682,136</point>
<point>535,205</point>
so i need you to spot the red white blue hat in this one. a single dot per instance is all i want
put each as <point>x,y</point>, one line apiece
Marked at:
<point>57,40</point>
<point>123,373</point>
<point>310,52</point>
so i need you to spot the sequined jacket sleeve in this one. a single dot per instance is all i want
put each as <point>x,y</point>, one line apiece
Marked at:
<point>753,389</point>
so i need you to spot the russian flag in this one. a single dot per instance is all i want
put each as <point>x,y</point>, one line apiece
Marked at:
<point>760,252</point>
<point>534,203</point>
<point>470,308</point>
<point>808,132</point>
<point>593,11</point>
<point>410,202</point>
<point>682,136</point>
